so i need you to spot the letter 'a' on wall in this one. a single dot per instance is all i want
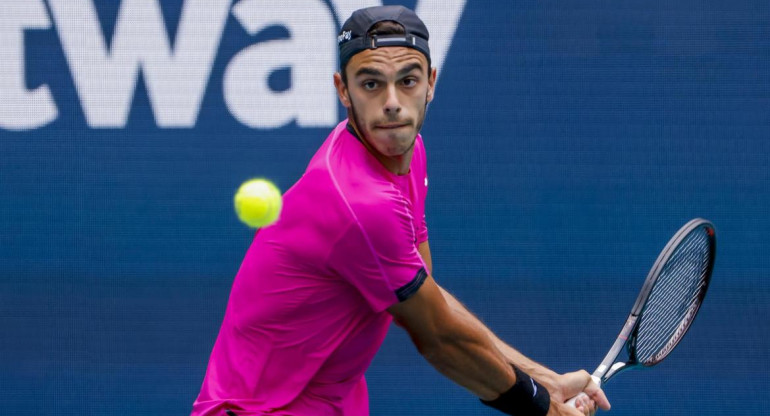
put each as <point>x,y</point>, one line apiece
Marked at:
<point>310,53</point>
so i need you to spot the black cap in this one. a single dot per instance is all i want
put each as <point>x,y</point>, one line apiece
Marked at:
<point>353,36</point>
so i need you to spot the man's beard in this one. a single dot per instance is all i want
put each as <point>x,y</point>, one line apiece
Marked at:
<point>359,124</point>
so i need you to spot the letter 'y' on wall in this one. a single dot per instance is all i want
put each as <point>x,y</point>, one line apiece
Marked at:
<point>20,108</point>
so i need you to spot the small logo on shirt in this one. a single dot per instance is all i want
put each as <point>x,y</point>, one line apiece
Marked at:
<point>534,387</point>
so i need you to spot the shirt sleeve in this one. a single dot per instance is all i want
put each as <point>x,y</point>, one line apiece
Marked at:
<point>378,256</point>
<point>421,183</point>
<point>422,231</point>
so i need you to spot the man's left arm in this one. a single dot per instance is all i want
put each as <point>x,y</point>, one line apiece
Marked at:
<point>539,372</point>
<point>554,382</point>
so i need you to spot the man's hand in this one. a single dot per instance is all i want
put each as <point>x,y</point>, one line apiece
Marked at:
<point>570,385</point>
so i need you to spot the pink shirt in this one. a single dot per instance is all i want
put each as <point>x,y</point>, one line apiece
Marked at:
<point>306,313</point>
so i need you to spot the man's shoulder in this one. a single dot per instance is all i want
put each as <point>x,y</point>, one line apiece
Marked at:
<point>350,166</point>
<point>343,167</point>
<point>339,170</point>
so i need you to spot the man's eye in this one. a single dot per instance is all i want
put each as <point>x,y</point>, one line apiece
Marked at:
<point>369,85</point>
<point>410,82</point>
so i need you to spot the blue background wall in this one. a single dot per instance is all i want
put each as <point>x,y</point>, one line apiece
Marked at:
<point>567,142</point>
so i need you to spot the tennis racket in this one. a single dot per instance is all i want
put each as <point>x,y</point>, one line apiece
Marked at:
<point>667,305</point>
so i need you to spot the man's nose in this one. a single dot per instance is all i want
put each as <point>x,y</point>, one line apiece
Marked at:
<point>392,105</point>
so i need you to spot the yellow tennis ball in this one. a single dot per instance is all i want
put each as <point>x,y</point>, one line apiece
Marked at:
<point>258,203</point>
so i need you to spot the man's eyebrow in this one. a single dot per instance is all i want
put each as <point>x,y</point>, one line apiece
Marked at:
<point>401,72</point>
<point>409,68</point>
<point>368,71</point>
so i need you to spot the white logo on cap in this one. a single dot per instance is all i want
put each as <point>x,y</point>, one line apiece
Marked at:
<point>344,36</point>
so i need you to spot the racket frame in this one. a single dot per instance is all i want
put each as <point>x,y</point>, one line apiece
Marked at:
<point>609,367</point>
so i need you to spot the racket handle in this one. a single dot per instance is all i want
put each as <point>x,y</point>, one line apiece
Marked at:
<point>571,402</point>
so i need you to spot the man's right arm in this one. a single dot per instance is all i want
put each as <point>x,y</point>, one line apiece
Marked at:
<point>453,345</point>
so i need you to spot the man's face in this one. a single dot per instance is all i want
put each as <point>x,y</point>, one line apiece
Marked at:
<point>387,93</point>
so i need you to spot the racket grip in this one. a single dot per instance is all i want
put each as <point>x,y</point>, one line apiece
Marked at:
<point>571,402</point>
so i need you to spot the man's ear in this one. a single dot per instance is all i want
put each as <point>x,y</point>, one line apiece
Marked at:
<point>342,90</point>
<point>431,84</point>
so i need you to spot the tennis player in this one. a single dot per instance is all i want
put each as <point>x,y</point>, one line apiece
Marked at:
<point>317,291</point>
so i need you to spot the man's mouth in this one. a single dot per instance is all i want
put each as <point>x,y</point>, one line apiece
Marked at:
<point>391,126</point>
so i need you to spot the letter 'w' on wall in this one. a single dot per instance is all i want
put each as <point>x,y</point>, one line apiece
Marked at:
<point>106,78</point>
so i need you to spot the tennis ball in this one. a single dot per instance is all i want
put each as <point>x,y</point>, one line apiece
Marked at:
<point>258,203</point>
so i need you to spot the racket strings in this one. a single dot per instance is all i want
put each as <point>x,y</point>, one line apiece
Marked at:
<point>674,298</point>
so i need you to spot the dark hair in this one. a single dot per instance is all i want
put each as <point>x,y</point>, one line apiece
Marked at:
<point>386,27</point>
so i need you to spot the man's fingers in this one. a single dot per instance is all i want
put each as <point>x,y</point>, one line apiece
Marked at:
<point>597,395</point>
<point>589,387</point>
<point>564,410</point>
<point>586,405</point>
<point>580,381</point>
